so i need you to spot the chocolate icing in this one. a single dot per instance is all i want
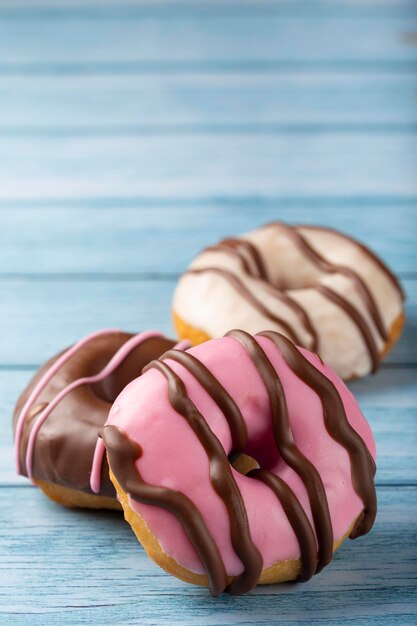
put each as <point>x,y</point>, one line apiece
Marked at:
<point>122,456</point>
<point>65,444</point>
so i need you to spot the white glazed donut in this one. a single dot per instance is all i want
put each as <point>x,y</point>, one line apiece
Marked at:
<point>322,289</point>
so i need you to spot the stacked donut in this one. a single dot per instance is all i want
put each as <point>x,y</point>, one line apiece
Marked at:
<point>244,459</point>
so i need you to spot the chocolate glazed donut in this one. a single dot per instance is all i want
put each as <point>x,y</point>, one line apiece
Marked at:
<point>58,416</point>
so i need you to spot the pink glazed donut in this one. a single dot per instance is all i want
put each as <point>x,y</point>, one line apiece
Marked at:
<point>173,437</point>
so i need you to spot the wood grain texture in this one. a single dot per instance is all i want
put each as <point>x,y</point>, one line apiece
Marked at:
<point>131,135</point>
<point>86,305</point>
<point>209,165</point>
<point>260,102</point>
<point>141,35</point>
<point>77,235</point>
<point>117,584</point>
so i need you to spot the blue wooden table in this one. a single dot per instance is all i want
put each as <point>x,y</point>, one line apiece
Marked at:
<point>132,134</point>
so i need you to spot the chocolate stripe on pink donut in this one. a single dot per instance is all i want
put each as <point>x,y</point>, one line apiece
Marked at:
<point>221,478</point>
<point>218,393</point>
<point>287,448</point>
<point>362,464</point>
<point>123,454</point>
<point>297,518</point>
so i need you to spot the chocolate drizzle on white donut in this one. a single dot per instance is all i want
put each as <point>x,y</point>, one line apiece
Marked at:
<point>314,555</point>
<point>239,286</point>
<point>252,264</point>
<point>248,254</point>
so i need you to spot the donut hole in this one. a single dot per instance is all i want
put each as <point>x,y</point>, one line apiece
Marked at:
<point>130,368</point>
<point>294,284</point>
<point>286,279</point>
<point>244,463</point>
<point>110,387</point>
<point>288,267</point>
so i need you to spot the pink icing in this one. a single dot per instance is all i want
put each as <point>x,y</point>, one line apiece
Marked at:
<point>114,362</point>
<point>174,458</point>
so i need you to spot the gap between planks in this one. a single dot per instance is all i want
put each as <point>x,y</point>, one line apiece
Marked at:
<point>167,68</point>
<point>116,276</point>
<point>246,201</point>
<point>288,128</point>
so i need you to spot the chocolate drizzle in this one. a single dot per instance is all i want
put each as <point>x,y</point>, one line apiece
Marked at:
<point>123,454</point>
<point>315,553</point>
<point>218,393</point>
<point>287,448</point>
<point>391,277</point>
<point>297,518</point>
<point>358,320</point>
<point>238,285</point>
<point>299,311</point>
<point>362,464</point>
<point>243,249</point>
<point>332,268</point>
<point>221,478</point>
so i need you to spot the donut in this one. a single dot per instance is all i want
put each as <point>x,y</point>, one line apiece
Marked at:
<point>320,288</point>
<point>58,416</point>
<point>243,460</point>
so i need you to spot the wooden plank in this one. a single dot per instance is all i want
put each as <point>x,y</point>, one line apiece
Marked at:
<point>38,318</point>
<point>389,402</point>
<point>207,165</point>
<point>76,240</point>
<point>69,40</point>
<point>35,311</point>
<point>258,102</point>
<point>370,580</point>
<point>389,389</point>
<point>166,8</point>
